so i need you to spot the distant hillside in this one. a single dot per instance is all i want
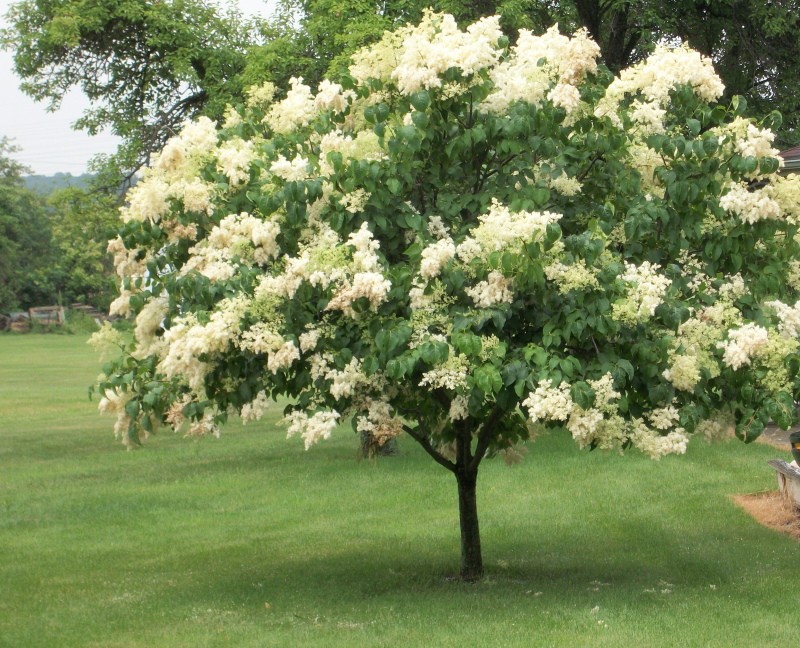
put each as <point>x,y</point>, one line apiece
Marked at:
<point>45,185</point>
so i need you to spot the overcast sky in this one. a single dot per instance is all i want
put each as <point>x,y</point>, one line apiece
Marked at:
<point>46,140</point>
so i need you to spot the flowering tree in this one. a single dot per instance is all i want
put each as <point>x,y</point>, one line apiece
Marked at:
<point>465,241</point>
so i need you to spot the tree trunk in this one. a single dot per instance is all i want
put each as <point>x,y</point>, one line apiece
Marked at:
<point>471,559</point>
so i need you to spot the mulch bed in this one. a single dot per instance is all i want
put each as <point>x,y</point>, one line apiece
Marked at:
<point>771,510</point>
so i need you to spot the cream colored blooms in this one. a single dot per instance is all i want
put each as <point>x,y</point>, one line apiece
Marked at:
<point>780,199</point>
<point>330,96</point>
<point>495,290</point>
<point>601,424</point>
<point>743,345</point>
<point>414,57</point>
<point>314,428</point>
<point>500,228</point>
<point>645,291</point>
<point>435,256</point>
<point>549,66</point>
<point>238,237</point>
<point>291,171</point>
<point>364,146</point>
<point>367,280</point>
<point>750,206</point>
<point>576,276</point>
<point>172,174</point>
<point>788,316</point>
<point>188,339</point>
<point>661,73</point>
<point>380,421</point>
<point>296,110</point>
<point>234,158</point>
<point>148,322</point>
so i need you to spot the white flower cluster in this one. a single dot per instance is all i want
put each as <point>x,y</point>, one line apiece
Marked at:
<point>785,190</point>
<point>576,276</point>
<point>309,339</point>
<point>495,290</point>
<point>330,96</point>
<point>743,345</point>
<point>451,374</point>
<point>416,56</point>
<point>646,289</point>
<point>789,316</point>
<point>187,340</point>
<point>260,96</point>
<point>148,321</point>
<point>107,341</point>
<point>205,426</point>
<point>291,171</point>
<point>459,409</point>
<point>255,409</point>
<point>663,71</point>
<point>750,206</point>
<point>564,184</point>
<point>500,229</point>
<point>312,428</point>
<point>547,403</point>
<point>367,281</point>
<point>147,201</point>
<point>364,146</point>
<point>648,116</point>
<point>435,256</point>
<point>114,402</point>
<point>549,66</point>
<point>683,372</point>
<point>173,174</point>
<point>655,445</point>
<point>234,158</point>
<point>355,201</point>
<point>346,382</point>
<point>296,110</point>
<point>235,234</point>
<point>741,136</point>
<point>601,425</point>
<point>260,339</point>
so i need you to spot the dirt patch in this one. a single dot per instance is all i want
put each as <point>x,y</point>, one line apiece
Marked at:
<point>771,510</point>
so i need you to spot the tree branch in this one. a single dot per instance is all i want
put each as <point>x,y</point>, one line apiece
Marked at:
<point>485,436</point>
<point>433,452</point>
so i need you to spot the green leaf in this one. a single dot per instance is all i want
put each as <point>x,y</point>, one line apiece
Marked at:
<point>582,394</point>
<point>420,100</point>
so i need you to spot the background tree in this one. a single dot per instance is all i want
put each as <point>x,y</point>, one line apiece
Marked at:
<point>466,243</point>
<point>25,238</point>
<point>83,221</point>
<point>145,66</point>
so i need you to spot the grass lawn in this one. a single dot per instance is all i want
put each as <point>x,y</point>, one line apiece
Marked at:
<point>251,541</point>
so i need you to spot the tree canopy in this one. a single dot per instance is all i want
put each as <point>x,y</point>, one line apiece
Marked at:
<point>467,241</point>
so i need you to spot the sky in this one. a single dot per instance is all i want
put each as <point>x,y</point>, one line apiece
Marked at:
<point>47,143</point>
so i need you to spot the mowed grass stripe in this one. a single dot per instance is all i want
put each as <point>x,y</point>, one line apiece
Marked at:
<point>251,541</point>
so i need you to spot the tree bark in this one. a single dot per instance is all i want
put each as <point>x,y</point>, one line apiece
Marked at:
<point>471,558</point>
